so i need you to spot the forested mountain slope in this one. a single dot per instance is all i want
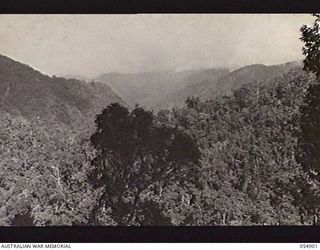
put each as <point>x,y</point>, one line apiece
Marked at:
<point>249,145</point>
<point>245,173</point>
<point>27,92</point>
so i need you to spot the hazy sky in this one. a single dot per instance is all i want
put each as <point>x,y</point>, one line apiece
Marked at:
<point>89,45</point>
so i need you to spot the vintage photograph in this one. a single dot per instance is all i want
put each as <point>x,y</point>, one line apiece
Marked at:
<point>160,120</point>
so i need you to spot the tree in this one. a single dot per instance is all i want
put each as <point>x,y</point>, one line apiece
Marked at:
<point>309,139</point>
<point>311,39</point>
<point>136,159</point>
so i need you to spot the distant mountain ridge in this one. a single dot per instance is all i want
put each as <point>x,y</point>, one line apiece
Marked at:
<point>27,92</point>
<point>211,88</point>
<point>167,89</point>
<point>151,88</point>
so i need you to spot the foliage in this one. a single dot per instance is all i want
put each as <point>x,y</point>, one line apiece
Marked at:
<point>309,143</point>
<point>43,174</point>
<point>135,157</point>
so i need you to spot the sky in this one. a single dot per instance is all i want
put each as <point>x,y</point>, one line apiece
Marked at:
<point>90,45</point>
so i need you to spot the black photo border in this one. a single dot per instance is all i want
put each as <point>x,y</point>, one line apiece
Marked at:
<point>159,234</point>
<point>157,6</point>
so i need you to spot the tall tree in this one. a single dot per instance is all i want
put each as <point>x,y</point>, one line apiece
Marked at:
<point>134,157</point>
<point>309,141</point>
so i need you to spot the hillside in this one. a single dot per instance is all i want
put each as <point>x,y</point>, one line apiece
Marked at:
<point>27,92</point>
<point>213,87</point>
<point>151,88</point>
<point>249,142</point>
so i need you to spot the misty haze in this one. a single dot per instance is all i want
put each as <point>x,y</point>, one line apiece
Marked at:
<point>159,120</point>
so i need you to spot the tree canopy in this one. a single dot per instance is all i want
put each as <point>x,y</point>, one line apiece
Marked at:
<point>135,157</point>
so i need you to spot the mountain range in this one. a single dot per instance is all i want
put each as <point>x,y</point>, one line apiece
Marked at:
<point>75,102</point>
<point>163,90</point>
